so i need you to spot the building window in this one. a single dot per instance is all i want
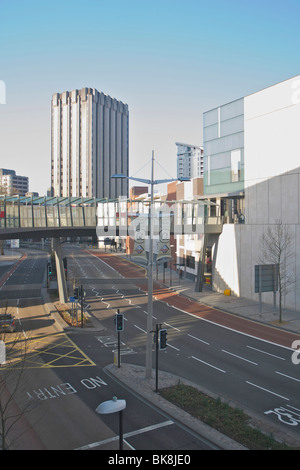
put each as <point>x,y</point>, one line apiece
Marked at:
<point>208,170</point>
<point>235,165</point>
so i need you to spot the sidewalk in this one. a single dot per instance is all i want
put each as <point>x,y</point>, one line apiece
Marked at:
<point>231,304</point>
<point>10,256</point>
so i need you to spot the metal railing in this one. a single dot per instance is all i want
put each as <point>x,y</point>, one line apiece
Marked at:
<point>43,212</point>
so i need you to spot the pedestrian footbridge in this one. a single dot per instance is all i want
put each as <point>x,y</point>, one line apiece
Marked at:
<point>62,217</point>
<point>49,217</point>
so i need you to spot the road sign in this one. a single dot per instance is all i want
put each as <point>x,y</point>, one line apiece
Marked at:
<point>266,278</point>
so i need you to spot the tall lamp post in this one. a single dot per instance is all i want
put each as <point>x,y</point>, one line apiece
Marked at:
<point>151,182</point>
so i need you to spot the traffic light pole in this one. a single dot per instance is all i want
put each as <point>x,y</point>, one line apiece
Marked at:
<point>160,343</point>
<point>158,326</point>
<point>119,350</point>
<point>119,322</point>
<point>81,298</point>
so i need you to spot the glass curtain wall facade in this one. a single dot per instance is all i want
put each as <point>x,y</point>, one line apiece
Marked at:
<point>89,143</point>
<point>223,136</point>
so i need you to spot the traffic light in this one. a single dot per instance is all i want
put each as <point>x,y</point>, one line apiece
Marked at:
<point>119,322</point>
<point>163,338</point>
<point>76,293</point>
<point>49,268</point>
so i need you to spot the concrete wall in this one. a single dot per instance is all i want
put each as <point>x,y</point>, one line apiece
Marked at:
<point>226,255</point>
<point>271,132</point>
<point>238,248</point>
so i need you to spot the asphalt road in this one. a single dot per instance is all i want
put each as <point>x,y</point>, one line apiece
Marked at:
<point>64,379</point>
<point>63,382</point>
<point>253,373</point>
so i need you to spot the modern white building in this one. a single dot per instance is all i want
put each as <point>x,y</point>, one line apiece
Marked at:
<point>89,143</point>
<point>189,161</point>
<point>252,164</point>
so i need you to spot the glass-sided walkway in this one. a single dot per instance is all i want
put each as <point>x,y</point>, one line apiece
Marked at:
<point>18,212</point>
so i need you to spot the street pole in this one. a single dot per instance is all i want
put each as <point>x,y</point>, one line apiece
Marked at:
<point>150,260</point>
<point>156,348</point>
<point>121,430</point>
<point>114,406</point>
<point>81,296</point>
<point>119,353</point>
<point>150,282</point>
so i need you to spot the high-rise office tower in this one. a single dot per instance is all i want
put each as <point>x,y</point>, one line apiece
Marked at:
<point>89,143</point>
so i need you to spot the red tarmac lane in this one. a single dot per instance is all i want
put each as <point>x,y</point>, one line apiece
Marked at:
<point>250,327</point>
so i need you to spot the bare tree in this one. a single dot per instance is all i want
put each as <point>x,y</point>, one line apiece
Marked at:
<point>276,246</point>
<point>11,382</point>
<point>11,374</point>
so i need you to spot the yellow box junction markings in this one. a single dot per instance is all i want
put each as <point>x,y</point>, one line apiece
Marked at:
<point>44,352</point>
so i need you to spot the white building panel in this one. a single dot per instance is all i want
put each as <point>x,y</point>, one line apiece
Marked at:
<point>271,134</point>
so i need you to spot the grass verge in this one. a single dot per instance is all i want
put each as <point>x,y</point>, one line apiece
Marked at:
<point>232,422</point>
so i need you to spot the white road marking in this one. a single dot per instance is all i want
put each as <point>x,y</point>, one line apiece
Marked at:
<point>210,365</point>
<point>198,339</point>
<point>288,376</point>
<point>265,352</point>
<point>174,328</point>
<point>127,435</point>
<point>266,390</point>
<point>140,329</point>
<point>239,357</point>
<point>170,345</point>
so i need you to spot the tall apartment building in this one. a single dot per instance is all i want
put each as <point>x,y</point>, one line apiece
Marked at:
<point>189,161</point>
<point>10,183</point>
<point>89,143</point>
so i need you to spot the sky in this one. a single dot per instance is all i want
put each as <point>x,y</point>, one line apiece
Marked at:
<point>169,60</point>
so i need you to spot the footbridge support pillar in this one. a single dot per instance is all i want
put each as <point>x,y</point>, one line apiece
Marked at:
<point>60,271</point>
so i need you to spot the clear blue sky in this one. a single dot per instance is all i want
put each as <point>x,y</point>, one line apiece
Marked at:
<point>170,60</point>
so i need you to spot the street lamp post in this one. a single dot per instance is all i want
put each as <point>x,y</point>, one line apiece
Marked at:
<point>114,406</point>
<point>150,182</point>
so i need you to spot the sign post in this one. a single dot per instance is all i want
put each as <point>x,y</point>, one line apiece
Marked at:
<point>119,320</point>
<point>266,280</point>
<point>160,343</point>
